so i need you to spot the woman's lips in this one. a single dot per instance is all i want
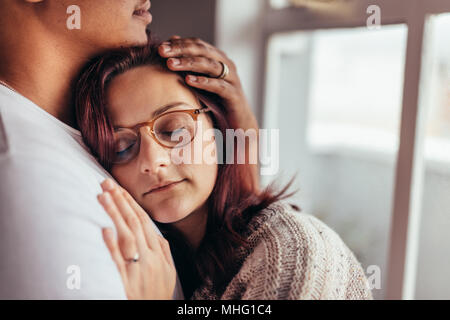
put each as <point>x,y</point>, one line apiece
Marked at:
<point>144,15</point>
<point>164,188</point>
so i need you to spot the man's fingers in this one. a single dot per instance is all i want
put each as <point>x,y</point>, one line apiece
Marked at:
<point>203,65</point>
<point>217,86</point>
<point>189,48</point>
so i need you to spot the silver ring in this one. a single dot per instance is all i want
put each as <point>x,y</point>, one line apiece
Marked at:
<point>134,259</point>
<point>225,71</point>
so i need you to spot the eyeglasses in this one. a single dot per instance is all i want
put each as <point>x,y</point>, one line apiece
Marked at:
<point>174,129</point>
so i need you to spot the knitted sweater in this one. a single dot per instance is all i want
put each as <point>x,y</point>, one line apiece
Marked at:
<point>292,255</point>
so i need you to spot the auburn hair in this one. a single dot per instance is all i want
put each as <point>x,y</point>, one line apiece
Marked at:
<point>233,201</point>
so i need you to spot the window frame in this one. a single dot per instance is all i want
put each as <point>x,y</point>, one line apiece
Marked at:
<point>406,207</point>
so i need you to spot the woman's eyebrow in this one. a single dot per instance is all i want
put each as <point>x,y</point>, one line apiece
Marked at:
<point>158,112</point>
<point>167,107</point>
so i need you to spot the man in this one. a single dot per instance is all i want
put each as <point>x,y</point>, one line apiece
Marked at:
<point>51,244</point>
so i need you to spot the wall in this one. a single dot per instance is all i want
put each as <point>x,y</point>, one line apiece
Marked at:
<point>238,33</point>
<point>193,18</point>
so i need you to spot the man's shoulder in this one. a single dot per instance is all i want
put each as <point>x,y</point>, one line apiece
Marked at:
<point>30,135</point>
<point>43,161</point>
<point>27,127</point>
<point>4,146</point>
<point>50,219</point>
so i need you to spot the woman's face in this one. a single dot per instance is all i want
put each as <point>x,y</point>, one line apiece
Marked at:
<point>134,97</point>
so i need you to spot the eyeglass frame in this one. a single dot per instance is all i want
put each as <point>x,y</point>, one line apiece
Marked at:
<point>194,113</point>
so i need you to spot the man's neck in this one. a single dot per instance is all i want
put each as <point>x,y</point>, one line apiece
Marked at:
<point>43,70</point>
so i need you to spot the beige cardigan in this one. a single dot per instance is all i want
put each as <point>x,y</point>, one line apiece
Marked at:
<point>292,255</point>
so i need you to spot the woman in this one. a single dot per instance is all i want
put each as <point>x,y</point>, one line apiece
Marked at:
<point>228,240</point>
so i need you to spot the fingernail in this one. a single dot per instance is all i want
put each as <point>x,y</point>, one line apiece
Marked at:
<point>108,233</point>
<point>193,78</point>
<point>175,62</point>
<point>166,48</point>
<point>108,198</point>
<point>104,198</point>
<point>101,198</point>
<point>107,185</point>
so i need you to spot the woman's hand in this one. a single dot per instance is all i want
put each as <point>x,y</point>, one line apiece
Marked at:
<point>199,57</point>
<point>153,275</point>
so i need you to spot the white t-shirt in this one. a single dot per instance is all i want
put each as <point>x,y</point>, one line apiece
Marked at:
<point>51,245</point>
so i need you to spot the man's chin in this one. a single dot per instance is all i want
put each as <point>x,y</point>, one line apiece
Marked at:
<point>142,40</point>
<point>136,38</point>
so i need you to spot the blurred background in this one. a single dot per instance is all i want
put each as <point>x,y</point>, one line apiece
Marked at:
<point>361,109</point>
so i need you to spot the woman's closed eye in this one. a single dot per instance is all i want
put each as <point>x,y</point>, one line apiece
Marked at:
<point>124,147</point>
<point>170,133</point>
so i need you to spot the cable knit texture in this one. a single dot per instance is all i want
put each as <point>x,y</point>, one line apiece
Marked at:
<point>292,255</point>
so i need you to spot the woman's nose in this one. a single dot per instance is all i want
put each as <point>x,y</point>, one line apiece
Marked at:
<point>152,156</point>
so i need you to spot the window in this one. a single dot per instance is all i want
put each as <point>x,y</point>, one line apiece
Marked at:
<point>279,3</point>
<point>340,128</point>
<point>433,279</point>
<point>365,124</point>
<point>356,84</point>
